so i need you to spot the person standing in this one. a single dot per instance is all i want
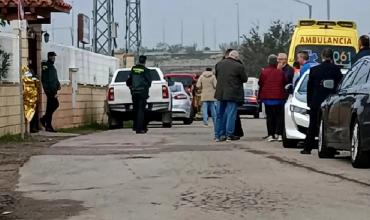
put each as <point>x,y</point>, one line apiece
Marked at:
<point>303,58</point>
<point>51,85</point>
<point>364,45</point>
<point>139,82</point>
<point>285,67</point>
<point>317,93</point>
<point>231,75</point>
<point>207,85</point>
<point>272,94</point>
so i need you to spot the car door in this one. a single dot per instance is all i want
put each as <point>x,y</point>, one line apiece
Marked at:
<point>364,113</point>
<point>333,125</point>
<point>348,102</point>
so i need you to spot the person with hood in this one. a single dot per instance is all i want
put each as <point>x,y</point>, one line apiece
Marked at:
<point>207,85</point>
<point>272,94</point>
<point>231,75</point>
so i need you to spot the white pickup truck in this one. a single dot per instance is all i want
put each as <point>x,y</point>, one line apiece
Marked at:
<point>119,106</point>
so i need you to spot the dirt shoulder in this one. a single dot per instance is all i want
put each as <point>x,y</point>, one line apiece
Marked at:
<point>13,155</point>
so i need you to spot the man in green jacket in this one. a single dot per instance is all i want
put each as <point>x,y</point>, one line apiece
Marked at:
<point>51,85</point>
<point>140,80</point>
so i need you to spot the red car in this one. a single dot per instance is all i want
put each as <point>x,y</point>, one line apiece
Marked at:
<point>189,80</point>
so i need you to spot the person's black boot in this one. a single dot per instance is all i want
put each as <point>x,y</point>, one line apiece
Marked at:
<point>51,129</point>
<point>43,122</point>
<point>305,151</point>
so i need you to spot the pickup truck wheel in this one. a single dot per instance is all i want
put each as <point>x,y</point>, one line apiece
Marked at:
<point>114,123</point>
<point>167,124</point>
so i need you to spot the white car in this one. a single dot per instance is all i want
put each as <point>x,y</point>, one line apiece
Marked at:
<point>182,109</point>
<point>296,115</point>
<point>119,107</point>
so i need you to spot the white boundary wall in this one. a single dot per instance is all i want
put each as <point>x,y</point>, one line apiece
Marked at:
<point>93,69</point>
<point>9,42</point>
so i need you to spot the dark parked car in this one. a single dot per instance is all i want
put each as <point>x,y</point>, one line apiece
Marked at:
<point>345,121</point>
<point>251,105</point>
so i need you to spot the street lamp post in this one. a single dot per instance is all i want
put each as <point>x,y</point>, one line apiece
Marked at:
<point>328,8</point>
<point>308,5</point>
<point>238,22</point>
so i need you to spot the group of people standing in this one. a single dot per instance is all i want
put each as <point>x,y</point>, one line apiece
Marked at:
<point>222,93</point>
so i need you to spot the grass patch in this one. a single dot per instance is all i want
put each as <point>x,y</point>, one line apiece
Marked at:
<point>85,129</point>
<point>14,138</point>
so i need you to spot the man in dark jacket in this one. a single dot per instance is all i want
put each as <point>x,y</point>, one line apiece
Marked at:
<point>285,67</point>
<point>51,85</point>
<point>317,93</point>
<point>140,80</point>
<point>364,45</point>
<point>231,75</point>
<point>272,81</point>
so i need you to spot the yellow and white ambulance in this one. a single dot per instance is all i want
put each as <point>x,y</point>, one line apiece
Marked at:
<point>313,36</point>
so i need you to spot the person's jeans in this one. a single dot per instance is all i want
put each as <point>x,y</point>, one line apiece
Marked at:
<point>226,117</point>
<point>209,106</point>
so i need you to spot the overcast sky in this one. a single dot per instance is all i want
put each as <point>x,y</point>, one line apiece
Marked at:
<point>219,17</point>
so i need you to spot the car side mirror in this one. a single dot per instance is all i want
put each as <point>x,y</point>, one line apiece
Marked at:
<point>289,89</point>
<point>328,84</point>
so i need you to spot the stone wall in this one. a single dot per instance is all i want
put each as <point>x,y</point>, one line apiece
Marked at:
<point>87,108</point>
<point>9,109</point>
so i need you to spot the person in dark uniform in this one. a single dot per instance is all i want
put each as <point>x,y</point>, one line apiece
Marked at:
<point>317,93</point>
<point>51,85</point>
<point>139,82</point>
<point>364,45</point>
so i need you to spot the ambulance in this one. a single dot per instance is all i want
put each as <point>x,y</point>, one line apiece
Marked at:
<point>313,36</point>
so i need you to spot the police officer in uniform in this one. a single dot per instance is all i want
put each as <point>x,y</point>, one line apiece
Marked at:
<point>317,93</point>
<point>139,83</point>
<point>51,85</point>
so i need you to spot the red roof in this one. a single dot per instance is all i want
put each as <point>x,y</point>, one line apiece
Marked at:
<point>57,4</point>
<point>32,8</point>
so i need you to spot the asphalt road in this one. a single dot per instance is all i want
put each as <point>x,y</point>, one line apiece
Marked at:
<point>181,173</point>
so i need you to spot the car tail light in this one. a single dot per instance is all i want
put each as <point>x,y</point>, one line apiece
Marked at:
<point>180,96</point>
<point>110,95</point>
<point>251,99</point>
<point>165,92</point>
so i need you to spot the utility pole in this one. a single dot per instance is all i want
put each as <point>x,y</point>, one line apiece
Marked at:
<point>328,8</point>
<point>103,21</point>
<point>133,26</point>
<point>308,5</point>
<point>182,32</point>
<point>73,23</point>
<point>238,22</point>
<point>203,35</point>
<point>214,34</point>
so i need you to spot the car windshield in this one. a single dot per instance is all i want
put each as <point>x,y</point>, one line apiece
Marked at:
<point>342,54</point>
<point>123,75</point>
<point>176,88</point>
<point>301,94</point>
<point>248,92</point>
<point>185,80</point>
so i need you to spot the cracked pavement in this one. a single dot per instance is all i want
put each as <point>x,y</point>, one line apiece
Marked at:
<point>181,174</point>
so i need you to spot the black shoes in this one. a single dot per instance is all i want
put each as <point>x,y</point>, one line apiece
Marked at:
<point>141,132</point>
<point>43,122</point>
<point>233,138</point>
<point>306,152</point>
<point>50,129</point>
